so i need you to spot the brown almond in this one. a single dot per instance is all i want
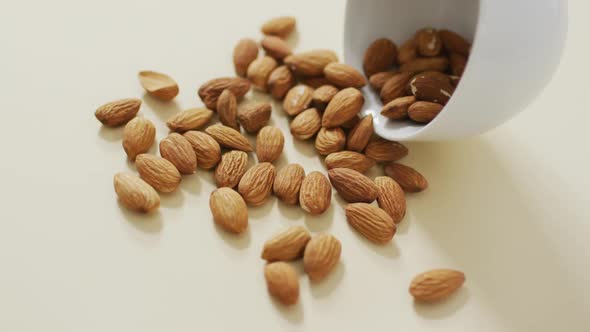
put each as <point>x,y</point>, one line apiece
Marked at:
<point>454,43</point>
<point>138,137</point>
<point>435,285</point>
<point>210,91</point>
<point>314,82</point>
<point>269,144</point>
<point>310,63</point>
<point>353,186</point>
<point>231,168</point>
<point>425,64</point>
<point>135,193</point>
<point>395,87</point>
<point>297,100</point>
<point>330,140</point>
<point>245,51</point>
<point>190,119</point>
<point>158,85</point>
<point>158,172</point>
<point>322,96</point>
<point>378,80</point>
<point>306,124</point>
<point>229,210</point>
<point>259,71</point>
<point>229,138</point>
<point>280,81</point>
<point>280,26</point>
<point>256,184</point>
<point>276,47</point>
<point>321,255</point>
<point>177,150</point>
<point>428,42</point>
<point>458,63</point>
<point>383,150</point>
<point>408,178</point>
<point>349,159</point>
<point>391,198</point>
<point>431,88</point>
<point>359,135</point>
<point>407,51</point>
<point>207,149</point>
<point>282,282</point>
<point>424,111</point>
<point>227,109</point>
<point>372,222</point>
<point>344,76</point>
<point>315,194</point>
<point>345,105</point>
<point>351,123</point>
<point>254,116</point>
<point>397,109</point>
<point>119,112</point>
<point>379,56</point>
<point>286,245</point>
<point>288,183</point>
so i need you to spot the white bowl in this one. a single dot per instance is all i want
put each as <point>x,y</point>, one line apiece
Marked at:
<point>517,46</point>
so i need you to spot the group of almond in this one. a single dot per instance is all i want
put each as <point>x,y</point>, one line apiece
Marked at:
<point>324,98</point>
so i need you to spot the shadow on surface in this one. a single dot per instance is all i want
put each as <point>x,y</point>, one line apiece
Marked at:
<point>237,241</point>
<point>325,287</point>
<point>164,110</point>
<point>445,308</point>
<point>150,223</point>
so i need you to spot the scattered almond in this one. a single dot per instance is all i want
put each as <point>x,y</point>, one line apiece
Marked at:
<point>245,51</point>
<point>436,285</point>
<point>256,184</point>
<point>372,222</point>
<point>344,76</point>
<point>282,282</point>
<point>330,140</point>
<point>353,186</point>
<point>407,51</point>
<point>288,183</point>
<point>395,87</point>
<point>349,159</point>
<point>378,80</point>
<point>424,111</point>
<point>138,137</point>
<point>190,119</point>
<point>322,96</point>
<point>135,193</point>
<point>424,64</point>
<point>210,91</point>
<point>229,138</point>
<point>359,136</point>
<point>276,47</point>
<point>230,170</point>
<point>315,82</point>
<point>286,245</point>
<point>158,172</point>
<point>454,43</point>
<point>118,112</point>
<point>177,150</point>
<point>311,63</point>
<point>259,71</point>
<point>321,255</point>
<point>227,109</point>
<point>383,150</point>
<point>306,124</point>
<point>345,105</point>
<point>254,116</point>
<point>408,178</point>
<point>279,26</point>
<point>397,109</point>
<point>158,85</point>
<point>269,144</point>
<point>206,148</point>
<point>428,42</point>
<point>391,198</point>
<point>315,194</point>
<point>297,100</point>
<point>379,56</point>
<point>280,81</point>
<point>229,210</point>
<point>458,63</point>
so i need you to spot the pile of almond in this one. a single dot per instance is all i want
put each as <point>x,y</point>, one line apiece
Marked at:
<point>323,98</point>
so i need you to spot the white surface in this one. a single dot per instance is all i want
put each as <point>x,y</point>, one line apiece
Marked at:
<point>510,208</point>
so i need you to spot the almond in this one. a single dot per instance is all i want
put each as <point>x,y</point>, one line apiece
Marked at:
<point>210,91</point>
<point>229,210</point>
<point>321,255</point>
<point>378,80</point>
<point>282,282</point>
<point>254,116</point>
<point>135,193</point>
<point>351,123</point>
<point>379,56</point>
<point>322,96</point>
<point>190,119</point>
<point>177,150</point>
<point>276,47</point>
<point>372,222</point>
<point>424,111</point>
<point>245,51</point>
<point>207,149</point>
<point>227,109</point>
<point>397,109</point>
<point>158,172</point>
<point>288,183</point>
<point>259,71</point>
<point>158,85</point>
<point>395,87</point>
<point>349,159</point>
<point>315,194</point>
<point>391,198</point>
<point>230,170</point>
<point>269,144</point>
<point>454,43</point>
<point>310,63</point>
<point>428,42</point>
<point>297,100</point>
<point>407,51</point>
<point>256,184</point>
<point>431,88</point>
<point>359,136</point>
<point>383,150</point>
<point>424,64</point>
<point>138,137</point>
<point>306,124</point>
<point>353,186</point>
<point>279,26</point>
<point>280,81</point>
<point>454,80</point>
<point>345,105</point>
<point>408,178</point>
<point>330,140</point>
<point>436,285</point>
<point>344,76</point>
<point>458,63</point>
<point>286,245</point>
<point>315,82</point>
<point>229,138</point>
<point>118,112</point>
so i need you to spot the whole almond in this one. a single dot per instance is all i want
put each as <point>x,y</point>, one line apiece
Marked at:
<point>135,193</point>
<point>177,150</point>
<point>210,91</point>
<point>288,183</point>
<point>431,88</point>
<point>230,170</point>
<point>321,255</point>
<point>315,194</point>
<point>280,81</point>
<point>314,82</point>
<point>276,47</point>
<point>395,87</point>
<point>372,222</point>
<point>259,71</point>
<point>269,144</point>
<point>330,140</point>
<point>158,172</point>
<point>345,105</point>
<point>311,63</point>
<point>353,186</point>
<point>158,85</point>
<point>119,112</point>
<point>383,150</point>
<point>359,135</point>
<point>407,51</point>
<point>408,178</point>
<point>280,26</point>
<point>297,99</point>
<point>391,198</point>
<point>428,42</point>
<point>435,285</point>
<point>282,282</point>
<point>458,63</point>
<point>379,56</point>
<point>424,64</point>
<point>256,184</point>
<point>227,109</point>
<point>351,123</point>
<point>397,109</point>
<point>344,76</point>
<point>378,80</point>
<point>424,111</point>
<point>286,245</point>
<point>349,159</point>
<point>206,148</point>
<point>322,96</point>
<point>229,210</point>
<point>306,124</point>
<point>229,138</point>
<point>245,51</point>
<point>254,116</point>
<point>190,119</point>
<point>454,43</point>
<point>138,137</point>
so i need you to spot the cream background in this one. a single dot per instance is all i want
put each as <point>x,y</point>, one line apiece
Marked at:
<point>510,208</point>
